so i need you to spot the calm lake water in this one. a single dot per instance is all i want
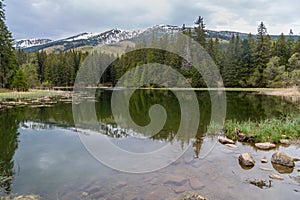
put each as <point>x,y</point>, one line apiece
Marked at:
<point>42,152</point>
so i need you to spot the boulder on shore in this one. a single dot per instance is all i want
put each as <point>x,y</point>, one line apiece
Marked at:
<point>246,160</point>
<point>282,158</point>
<point>243,137</point>
<point>265,145</point>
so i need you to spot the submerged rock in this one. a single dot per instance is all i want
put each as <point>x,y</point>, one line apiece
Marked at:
<point>260,183</point>
<point>282,158</point>
<point>226,141</point>
<point>246,159</point>
<point>175,180</point>
<point>196,184</point>
<point>283,169</point>
<point>265,146</point>
<point>193,196</point>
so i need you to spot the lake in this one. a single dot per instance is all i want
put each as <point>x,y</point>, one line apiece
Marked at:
<point>43,152</point>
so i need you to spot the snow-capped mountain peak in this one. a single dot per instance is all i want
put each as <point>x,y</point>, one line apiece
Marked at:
<point>25,43</point>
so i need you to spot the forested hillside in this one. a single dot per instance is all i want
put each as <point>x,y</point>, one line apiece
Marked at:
<point>255,61</point>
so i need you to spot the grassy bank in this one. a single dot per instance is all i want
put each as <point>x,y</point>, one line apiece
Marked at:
<point>268,130</point>
<point>32,94</point>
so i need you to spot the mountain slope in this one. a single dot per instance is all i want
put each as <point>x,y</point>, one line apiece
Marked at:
<point>111,37</point>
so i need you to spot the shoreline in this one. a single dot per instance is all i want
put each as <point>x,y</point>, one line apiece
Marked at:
<point>56,92</point>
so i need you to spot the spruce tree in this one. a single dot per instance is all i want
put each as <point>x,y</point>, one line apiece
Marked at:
<point>200,31</point>
<point>261,56</point>
<point>7,53</point>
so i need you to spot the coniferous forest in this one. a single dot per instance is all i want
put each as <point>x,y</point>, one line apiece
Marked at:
<point>255,61</point>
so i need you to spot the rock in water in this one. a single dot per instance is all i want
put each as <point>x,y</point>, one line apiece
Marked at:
<point>226,141</point>
<point>275,176</point>
<point>231,146</point>
<point>246,160</point>
<point>175,180</point>
<point>265,146</point>
<point>284,141</point>
<point>282,158</point>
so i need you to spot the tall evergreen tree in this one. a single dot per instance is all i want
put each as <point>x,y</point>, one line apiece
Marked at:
<point>247,48</point>
<point>7,53</point>
<point>261,56</point>
<point>200,31</point>
<point>290,43</point>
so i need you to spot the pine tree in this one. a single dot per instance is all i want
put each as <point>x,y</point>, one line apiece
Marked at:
<point>247,48</point>
<point>41,59</point>
<point>290,43</point>
<point>261,56</point>
<point>7,53</point>
<point>200,31</point>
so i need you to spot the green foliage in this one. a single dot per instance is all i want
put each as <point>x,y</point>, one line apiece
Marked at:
<point>20,82</point>
<point>31,74</point>
<point>271,130</point>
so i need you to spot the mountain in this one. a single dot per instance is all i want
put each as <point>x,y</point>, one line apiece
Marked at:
<point>112,36</point>
<point>26,43</point>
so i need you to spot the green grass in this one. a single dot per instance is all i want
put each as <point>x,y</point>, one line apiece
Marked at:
<point>268,130</point>
<point>33,94</point>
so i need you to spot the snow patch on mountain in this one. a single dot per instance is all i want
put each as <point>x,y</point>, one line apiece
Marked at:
<point>25,43</point>
<point>107,37</point>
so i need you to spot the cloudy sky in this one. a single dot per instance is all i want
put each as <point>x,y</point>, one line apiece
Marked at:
<point>57,19</point>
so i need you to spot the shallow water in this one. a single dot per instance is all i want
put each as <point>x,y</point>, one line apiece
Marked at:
<point>44,153</point>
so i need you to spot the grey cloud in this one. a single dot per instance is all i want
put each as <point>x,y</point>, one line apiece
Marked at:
<point>57,19</point>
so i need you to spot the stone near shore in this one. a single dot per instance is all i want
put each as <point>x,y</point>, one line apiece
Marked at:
<point>282,158</point>
<point>26,197</point>
<point>246,160</point>
<point>276,176</point>
<point>193,196</point>
<point>265,146</point>
<point>263,160</point>
<point>284,141</point>
<point>231,146</point>
<point>226,141</point>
